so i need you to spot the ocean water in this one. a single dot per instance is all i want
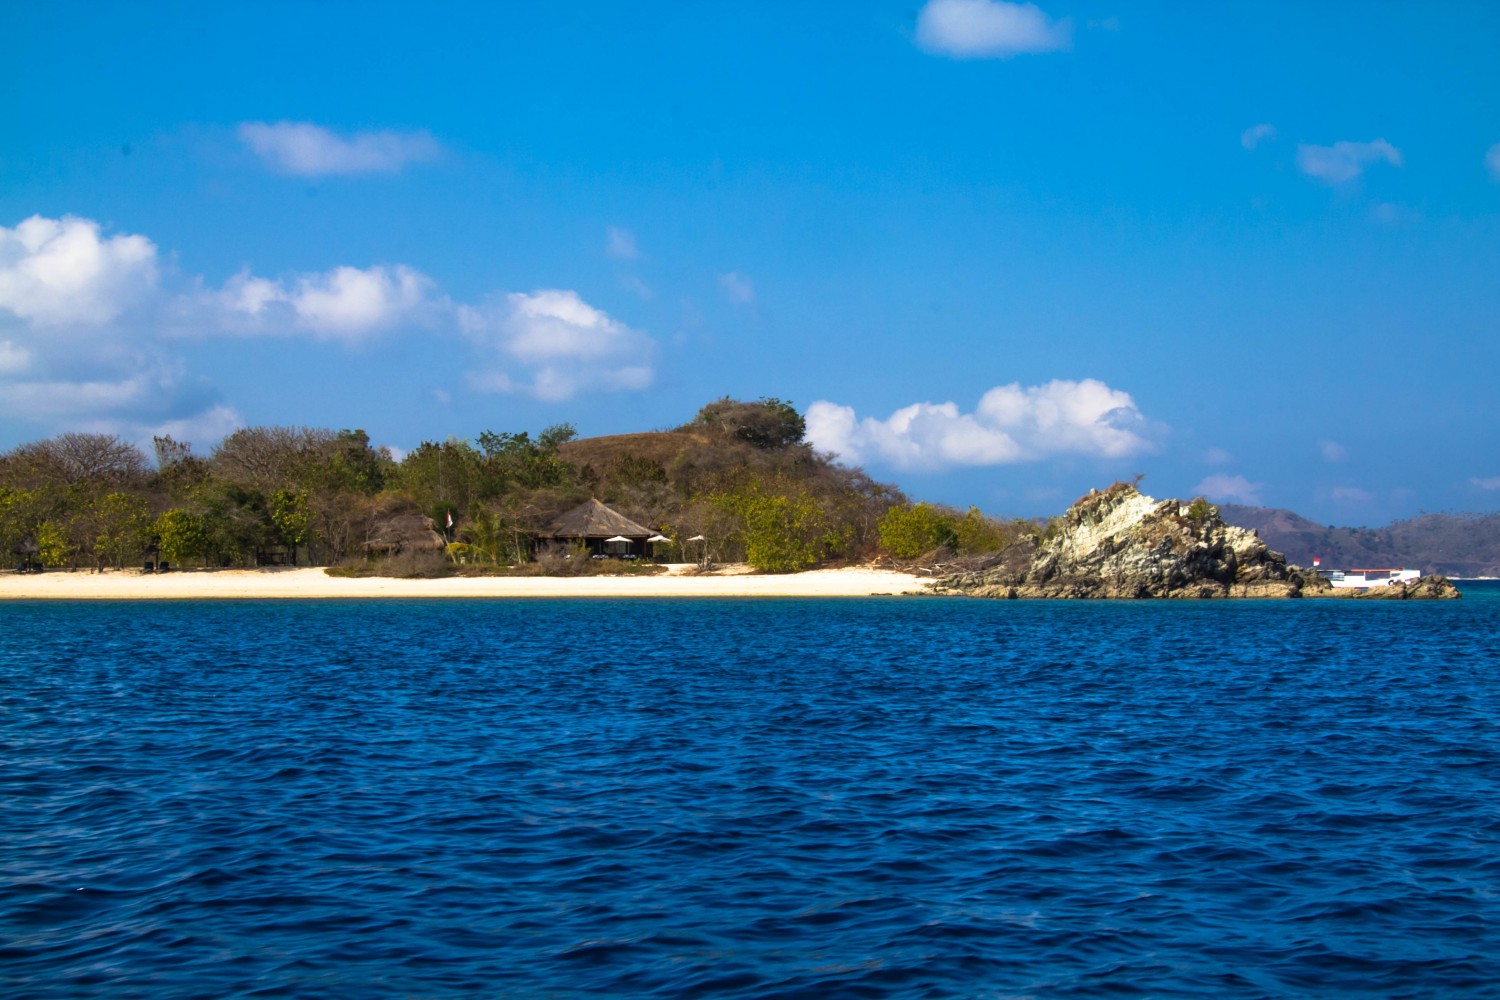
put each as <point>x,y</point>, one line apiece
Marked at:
<point>769,798</point>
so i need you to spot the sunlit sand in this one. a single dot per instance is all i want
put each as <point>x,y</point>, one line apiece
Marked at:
<point>314,583</point>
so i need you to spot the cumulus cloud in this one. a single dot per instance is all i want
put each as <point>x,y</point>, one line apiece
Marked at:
<point>308,150</point>
<point>1256,134</point>
<point>620,244</point>
<point>554,345</point>
<point>1332,451</point>
<point>1487,483</point>
<point>988,29</point>
<point>1351,494</point>
<point>738,288</point>
<point>89,338</point>
<point>1344,161</point>
<point>63,272</point>
<point>1492,161</point>
<point>345,302</point>
<point>1217,456</point>
<point>1222,488</point>
<point>1011,424</point>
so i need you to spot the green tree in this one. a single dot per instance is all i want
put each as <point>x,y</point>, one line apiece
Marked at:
<point>52,545</point>
<point>18,518</point>
<point>768,423</point>
<point>973,532</point>
<point>908,530</point>
<point>487,536</point>
<point>119,521</point>
<point>785,530</point>
<point>291,516</point>
<point>182,534</point>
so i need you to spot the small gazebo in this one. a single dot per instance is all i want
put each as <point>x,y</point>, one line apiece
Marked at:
<point>603,530</point>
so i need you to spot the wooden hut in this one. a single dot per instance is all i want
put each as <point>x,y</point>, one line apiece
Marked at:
<point>404,533</point>
<point>604,531</point>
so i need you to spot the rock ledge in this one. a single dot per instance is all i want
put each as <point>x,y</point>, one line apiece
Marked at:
<point>1120,543</point>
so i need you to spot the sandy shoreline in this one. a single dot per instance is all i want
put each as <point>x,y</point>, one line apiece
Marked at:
<point>132,585</point>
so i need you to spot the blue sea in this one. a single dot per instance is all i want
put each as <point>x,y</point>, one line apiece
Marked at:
<point>750,798</point>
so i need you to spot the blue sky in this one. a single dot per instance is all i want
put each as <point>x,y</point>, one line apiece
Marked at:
<point>1000,253</point>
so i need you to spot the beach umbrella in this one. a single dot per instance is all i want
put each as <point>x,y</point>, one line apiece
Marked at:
<point>658,538</point>
<point>617,538</point>
<point>697,538</point>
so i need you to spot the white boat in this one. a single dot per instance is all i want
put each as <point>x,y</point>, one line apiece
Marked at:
<point>1364,579</point>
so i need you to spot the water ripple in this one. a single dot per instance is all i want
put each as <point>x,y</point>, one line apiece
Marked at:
<point>750,799</point>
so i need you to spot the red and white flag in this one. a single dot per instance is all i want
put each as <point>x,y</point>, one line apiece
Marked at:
<point>450,519</point>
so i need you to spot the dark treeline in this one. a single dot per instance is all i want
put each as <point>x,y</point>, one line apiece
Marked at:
<point>738,474</point>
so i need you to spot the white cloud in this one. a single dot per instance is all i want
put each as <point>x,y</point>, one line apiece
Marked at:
<point>1344,161</point>
<point>154,397</point>
<point>1256,134</point>
<point>1011,424</point>
<point>1332,451</point>
<point>344,302</point>
<point>1351,494</point>
<point>89,340</point>
<point>560,343</point>
<point>738,288</point>
<point>620,244</point>
<point>988,29</point>
<point>1489,483</point>
<point>201,429</point>
<point>60,272</point>
<point>1492,161</point>
<point>13,357</point>
<point>1222,488</point>
<point>308,150</point>
<point>1217,456</point>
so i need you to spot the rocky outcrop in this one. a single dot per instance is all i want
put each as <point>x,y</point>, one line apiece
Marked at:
<point>1428,588</point>
<point>1121,543</point>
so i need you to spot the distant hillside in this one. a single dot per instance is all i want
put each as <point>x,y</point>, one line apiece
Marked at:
<point>1452,544</point>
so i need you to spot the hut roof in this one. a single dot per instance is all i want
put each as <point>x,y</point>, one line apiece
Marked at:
<point>405,532</point>
<point>594,520</point>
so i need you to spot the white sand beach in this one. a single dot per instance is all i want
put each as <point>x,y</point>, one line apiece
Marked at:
<point>314,583</point>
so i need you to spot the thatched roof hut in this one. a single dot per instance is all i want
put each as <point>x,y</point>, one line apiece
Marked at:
<point>594,525</point>
<point>405,533</point>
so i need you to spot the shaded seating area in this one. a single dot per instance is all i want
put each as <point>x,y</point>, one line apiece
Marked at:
<point>28,556</point>
<point>605,532</point>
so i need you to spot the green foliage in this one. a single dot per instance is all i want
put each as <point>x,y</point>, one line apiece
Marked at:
<point>290,513</point>
<point>973,532</point>
<point>18,519</point>
<point>1199,510</point>
<point>512,461</point>
<point>487,536</point>
<point>451,473</point>
<point>769,423</point>
<point>783,530</point>
<point>119,521</point>
<point>908,530</point>
<point>351,465</point>
<point>182,535</point>
<point>52,545</point>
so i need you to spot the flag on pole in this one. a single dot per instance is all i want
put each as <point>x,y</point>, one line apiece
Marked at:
<point>450,519</point>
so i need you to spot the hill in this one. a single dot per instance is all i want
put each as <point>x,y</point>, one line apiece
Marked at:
<point>1461,545</point>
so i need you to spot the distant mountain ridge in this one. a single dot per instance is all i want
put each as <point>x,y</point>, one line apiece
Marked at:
<point>1462,545</point>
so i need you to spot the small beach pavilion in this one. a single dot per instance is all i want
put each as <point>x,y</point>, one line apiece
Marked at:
<point>606,532</point>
